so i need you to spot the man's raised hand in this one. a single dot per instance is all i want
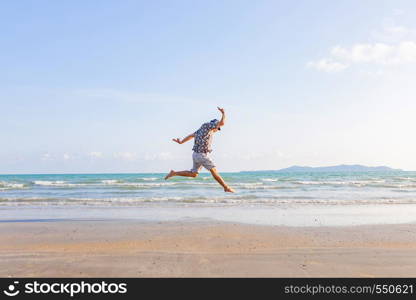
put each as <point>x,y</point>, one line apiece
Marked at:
<point>177,140</point>
<point>221,110</point>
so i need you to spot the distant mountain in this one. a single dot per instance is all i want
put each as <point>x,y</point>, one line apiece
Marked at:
<point>339,168</point>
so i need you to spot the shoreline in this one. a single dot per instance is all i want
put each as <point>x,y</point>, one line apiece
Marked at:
<point>307,215</point>
<point>203,248</point>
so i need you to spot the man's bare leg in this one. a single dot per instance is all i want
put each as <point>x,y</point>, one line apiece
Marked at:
<point>181,173</point>
<point>221,181</point>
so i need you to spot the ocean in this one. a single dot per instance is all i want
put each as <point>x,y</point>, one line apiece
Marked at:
<point>262,198</point>
<point>253,188</point>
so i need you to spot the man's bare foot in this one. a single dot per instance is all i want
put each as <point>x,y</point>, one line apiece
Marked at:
<point>171,173</point>
<point>229,190</point>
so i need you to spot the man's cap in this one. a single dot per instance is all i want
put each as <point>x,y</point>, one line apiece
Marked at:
<point>215,121</point>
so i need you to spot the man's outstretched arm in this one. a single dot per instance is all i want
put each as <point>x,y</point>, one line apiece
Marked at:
<point>222,121</point>
<point>189,137</point>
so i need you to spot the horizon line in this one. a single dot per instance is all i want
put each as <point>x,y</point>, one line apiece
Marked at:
<point>126,173</point>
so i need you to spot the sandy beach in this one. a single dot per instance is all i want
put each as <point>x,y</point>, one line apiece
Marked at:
<point>203,248</point>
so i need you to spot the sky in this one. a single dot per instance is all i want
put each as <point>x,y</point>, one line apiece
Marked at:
<point>103,86</point>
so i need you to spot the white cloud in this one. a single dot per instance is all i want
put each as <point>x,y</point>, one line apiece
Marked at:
<point>159,156</point>
<point>407,52</point>
<point>396,30</point>
<point>66,156</point>
<point>392,33</point>
<point>46,156</point>
<point>394,45</point>
<point>327,65</point>
<point>129,156</point>
<point>377,53</point>
<point>96,154</point>
<point>363,53</point>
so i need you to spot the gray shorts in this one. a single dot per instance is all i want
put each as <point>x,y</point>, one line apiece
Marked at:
<point>201,160</point>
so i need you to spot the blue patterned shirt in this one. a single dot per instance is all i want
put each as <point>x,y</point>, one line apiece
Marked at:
<point>203,137</point>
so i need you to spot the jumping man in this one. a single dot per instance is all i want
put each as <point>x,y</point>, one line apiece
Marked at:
<point>202,146</point>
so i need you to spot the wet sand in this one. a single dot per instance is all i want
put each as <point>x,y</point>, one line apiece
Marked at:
<point>203,248</point>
